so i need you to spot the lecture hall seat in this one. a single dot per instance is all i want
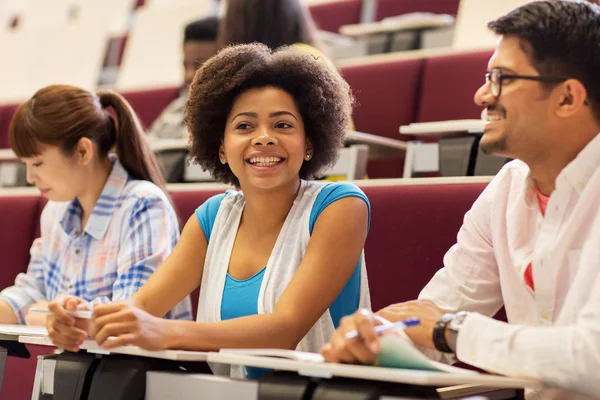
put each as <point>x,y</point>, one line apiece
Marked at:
<point>329,16</point>
<point>386,97</point>
<point>390,8</point>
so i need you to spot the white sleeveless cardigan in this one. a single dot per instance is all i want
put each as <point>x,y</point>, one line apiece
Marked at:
<point>285,259</point>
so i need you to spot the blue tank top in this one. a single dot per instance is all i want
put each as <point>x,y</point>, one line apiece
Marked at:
<point>240,297</point>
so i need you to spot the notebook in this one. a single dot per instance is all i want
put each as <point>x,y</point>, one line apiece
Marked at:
<point>397,351</point>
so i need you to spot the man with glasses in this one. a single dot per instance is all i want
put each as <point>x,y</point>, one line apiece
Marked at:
<point>531,241</point>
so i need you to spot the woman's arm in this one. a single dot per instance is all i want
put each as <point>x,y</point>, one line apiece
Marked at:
<point>331,257</point>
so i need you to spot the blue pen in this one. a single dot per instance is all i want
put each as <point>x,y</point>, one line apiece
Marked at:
<point>379,329</point>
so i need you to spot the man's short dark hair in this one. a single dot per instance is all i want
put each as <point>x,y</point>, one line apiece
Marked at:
<point>322,96</point>
<point>203,30</point>
<point>561,38</point>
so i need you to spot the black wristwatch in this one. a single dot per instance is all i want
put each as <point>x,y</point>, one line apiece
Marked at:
<point>450,323</point>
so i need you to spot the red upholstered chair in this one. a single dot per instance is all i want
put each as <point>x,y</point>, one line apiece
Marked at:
<point>386,95</point>
<point>6,114</point>
<point>19,214</point>
<point>19,218</point>
<point>412,227</point>
<point>389,8</point>
<point>449,84</point>
<point>148,104</point>
<point>330,16</point>
<point>186,204</point>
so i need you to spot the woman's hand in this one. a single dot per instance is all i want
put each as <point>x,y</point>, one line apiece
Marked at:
<point>65,331</point>
<point>121,324</point>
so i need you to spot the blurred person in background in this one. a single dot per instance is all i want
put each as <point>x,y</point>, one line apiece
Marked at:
<point>199,44</point>
<point>272,22</point>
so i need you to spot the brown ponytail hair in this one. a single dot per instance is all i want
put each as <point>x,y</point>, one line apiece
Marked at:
<point>60,115</point>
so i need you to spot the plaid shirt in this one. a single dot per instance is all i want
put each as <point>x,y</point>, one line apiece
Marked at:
<point>131,231</point>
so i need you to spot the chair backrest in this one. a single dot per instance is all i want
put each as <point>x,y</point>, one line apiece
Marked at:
<point>330,15</point>
<point>153,52</point>
<point>412,227</point>
<point>186,204</point>
<point>148,104</point>
<point>19,216</point>
<point>386,96</point>
<point>459,74</point>
<point>6,113</point>
<point>471,30</point>
<point>390,8</point>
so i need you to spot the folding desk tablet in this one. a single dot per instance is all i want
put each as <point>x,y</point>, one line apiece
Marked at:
<point>9,342</point>
<point>94,373</point>
<point>304,379</point>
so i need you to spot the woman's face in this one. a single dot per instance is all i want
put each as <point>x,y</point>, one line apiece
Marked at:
<point>264,142</point>
<point>57,176</point>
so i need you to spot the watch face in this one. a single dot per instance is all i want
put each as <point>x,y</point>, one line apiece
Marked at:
<point>457,320</point>
<point>448,317</point>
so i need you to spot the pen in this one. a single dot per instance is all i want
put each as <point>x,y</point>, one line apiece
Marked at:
<point>85,314</point>
<point>379,329</point>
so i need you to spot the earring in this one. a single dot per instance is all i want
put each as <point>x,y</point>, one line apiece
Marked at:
<point>308,156</point>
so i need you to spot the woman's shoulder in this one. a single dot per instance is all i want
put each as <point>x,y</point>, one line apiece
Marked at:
<point>138,192</point>
<point>337,189</point>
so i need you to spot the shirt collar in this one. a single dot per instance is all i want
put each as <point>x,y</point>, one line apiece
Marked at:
<point>576,174</point>
<point>579,171</point>
<point>98,221</point>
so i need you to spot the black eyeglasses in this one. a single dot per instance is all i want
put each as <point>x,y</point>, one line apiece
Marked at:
<point>496,76</point>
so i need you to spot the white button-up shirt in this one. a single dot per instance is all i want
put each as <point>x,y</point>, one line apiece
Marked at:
<point>553,332</point>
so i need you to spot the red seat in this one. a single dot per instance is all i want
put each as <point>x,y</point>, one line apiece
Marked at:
<point>412,227</point>
<point>148,104</point>
<point>389,8</point>
<point>17,229</point>
<point>461,75</point>
<point>185,205</point>
<point>386,96</point>
<point>330,16</point>
<point>19,215</point>
<point>6,114</point>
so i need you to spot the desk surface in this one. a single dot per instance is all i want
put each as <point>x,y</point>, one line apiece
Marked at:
<point>439,128</point>
<point>398,25</point>
<point>327,370</point>
<point>12,332</point>
<point>7,155</point>
<point>92,347</point>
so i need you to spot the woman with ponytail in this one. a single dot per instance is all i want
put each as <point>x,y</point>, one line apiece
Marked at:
<point>108,223</point>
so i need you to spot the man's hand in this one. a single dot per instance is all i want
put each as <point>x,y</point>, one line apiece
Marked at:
<point>365,347</point>
<point>362,349</point>
<point>425,310</point>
